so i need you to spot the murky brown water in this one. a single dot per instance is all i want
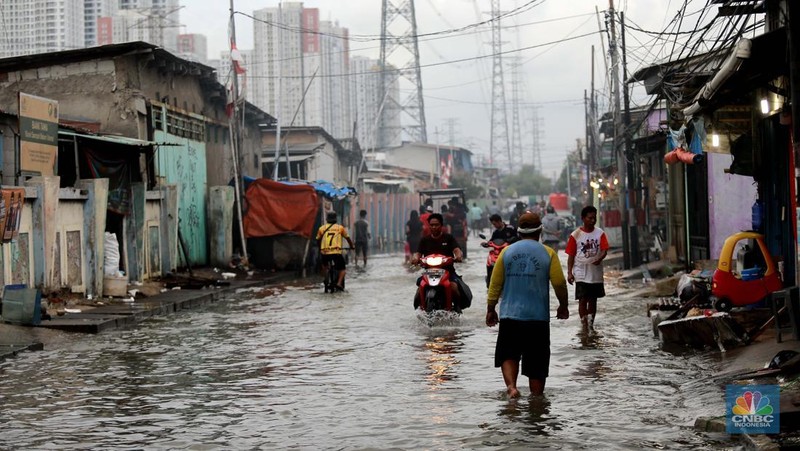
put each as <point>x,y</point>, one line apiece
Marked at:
<point>295,368</point>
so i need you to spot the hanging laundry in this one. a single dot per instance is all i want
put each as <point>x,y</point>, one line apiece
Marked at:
<point>698,135</point>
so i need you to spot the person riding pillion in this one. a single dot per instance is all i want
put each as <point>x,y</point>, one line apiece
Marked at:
<point>329,237</point>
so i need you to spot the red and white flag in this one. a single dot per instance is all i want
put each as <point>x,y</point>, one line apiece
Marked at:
<point>237,60</point>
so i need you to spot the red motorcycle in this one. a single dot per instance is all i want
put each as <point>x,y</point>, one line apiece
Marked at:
<point>433,292</point>
<point>495,247</point>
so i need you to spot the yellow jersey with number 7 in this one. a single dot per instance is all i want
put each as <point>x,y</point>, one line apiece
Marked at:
<point>330,238</point>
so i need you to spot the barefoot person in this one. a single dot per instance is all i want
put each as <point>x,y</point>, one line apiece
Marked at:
<point>587,246</point>
<point>521,275</point>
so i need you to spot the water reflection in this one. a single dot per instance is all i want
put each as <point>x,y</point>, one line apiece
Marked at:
<point>441,357</point>
<point>533,412</point>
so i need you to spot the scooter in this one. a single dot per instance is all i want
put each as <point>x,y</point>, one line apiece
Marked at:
<point>433,292</point>
<point>495,247</point>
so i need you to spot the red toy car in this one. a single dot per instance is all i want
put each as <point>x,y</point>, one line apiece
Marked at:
<point>749,278</point>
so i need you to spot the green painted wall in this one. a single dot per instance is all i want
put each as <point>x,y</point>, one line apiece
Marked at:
<point>185,165</point>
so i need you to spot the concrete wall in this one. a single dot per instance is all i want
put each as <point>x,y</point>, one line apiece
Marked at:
<point>421,159</point>
<point>730,198</point>
<point>17,256</point>
<point>69,268</point>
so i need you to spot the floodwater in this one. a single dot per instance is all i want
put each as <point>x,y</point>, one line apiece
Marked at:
<point>290,367</point>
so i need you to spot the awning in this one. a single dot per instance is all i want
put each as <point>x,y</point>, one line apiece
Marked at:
<point>282,158</point>
<point>121,140</point>
<point>384,182</point>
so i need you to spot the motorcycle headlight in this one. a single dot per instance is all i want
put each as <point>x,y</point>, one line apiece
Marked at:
<point>434,261</point>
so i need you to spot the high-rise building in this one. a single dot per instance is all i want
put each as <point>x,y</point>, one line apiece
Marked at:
<point>365,101</point>
<point>333,74</point>
<point>278,63</point>
<point>34,26</point>
<point>224,71</point>
<point>193,47</point>
<point>300,69</point>
<point>93,10</point>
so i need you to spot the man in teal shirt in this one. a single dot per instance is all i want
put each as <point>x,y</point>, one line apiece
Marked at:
<point>521,275</point>
<point>475,216</point>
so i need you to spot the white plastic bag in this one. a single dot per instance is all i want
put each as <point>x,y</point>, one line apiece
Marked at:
<point>111,262</point>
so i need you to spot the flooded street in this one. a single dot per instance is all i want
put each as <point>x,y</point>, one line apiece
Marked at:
<point>292,367</point>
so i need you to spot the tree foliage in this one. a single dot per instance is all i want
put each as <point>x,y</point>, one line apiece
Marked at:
<point>465,181</point>
<point>526,182</point>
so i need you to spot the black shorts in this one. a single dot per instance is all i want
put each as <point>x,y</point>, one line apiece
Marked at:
<point>526,340</point>
<point>585,290</point>
<point>362,247</point>
<point>337,260</point>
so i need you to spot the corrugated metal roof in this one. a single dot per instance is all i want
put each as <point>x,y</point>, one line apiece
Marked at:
<point>282,158</point>
<point>122,140</point>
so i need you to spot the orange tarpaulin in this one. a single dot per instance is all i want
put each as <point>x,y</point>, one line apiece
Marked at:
<point>275,208</point>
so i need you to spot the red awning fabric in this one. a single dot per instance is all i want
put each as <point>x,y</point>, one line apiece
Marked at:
<point>275,208</point>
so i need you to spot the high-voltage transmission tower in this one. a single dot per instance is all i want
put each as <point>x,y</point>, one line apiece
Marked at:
<point>516,125</point>
<point>537,133</point>
<point>499,149</point>
<point>399,35</point>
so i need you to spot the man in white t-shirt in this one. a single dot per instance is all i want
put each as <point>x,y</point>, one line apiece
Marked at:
<point>587,246</point>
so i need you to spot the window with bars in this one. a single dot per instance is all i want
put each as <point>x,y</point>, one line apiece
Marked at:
<point>179,124</point>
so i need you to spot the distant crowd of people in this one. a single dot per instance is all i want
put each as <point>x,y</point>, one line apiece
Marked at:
<point>520,280</point>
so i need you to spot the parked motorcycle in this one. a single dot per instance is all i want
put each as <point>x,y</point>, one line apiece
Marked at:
<point>495,247</point>
<point>433,292</point>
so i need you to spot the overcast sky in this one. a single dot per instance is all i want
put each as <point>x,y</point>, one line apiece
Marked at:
<point>553,76</point>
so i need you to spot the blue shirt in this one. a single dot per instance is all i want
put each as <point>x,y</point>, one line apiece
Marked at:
<point>522,274</point>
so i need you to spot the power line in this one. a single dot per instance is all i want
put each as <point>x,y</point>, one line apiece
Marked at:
<point>367,38</point>
<point>461,60</point>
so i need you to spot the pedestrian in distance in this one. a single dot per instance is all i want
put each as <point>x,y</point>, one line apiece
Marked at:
<point>587,246</point>
<point>413,234</point>
<point>329,238</point>
<point>475,216</point>
<point>428,211</point>
<point>502,232</point>
<point>519,210</point>
<point>521,276</point>
<point>551,231</point>
<point>362,237</point>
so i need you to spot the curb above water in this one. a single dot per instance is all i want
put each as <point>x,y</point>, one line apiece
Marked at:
<point>120,314</point>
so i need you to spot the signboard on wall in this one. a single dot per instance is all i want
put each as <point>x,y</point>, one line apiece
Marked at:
<point>38,130</point>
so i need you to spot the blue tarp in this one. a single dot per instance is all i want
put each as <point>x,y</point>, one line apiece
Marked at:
<point>324,188</point>
<point>331,191</point>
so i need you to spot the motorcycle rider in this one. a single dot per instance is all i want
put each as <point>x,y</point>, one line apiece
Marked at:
<point>329,238</point>
<point>440,242</point>
<point>502,232</point>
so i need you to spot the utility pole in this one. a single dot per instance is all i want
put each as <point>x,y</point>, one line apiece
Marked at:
<point>793,23</point>
<point>632,181</point>
<point>236,154</point>
<point>618,149</point>
<point>591,144</point>
<point>278,100</point>
<point>588,149</point>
